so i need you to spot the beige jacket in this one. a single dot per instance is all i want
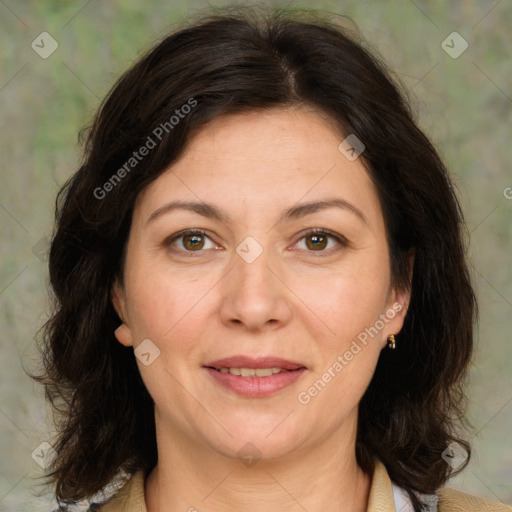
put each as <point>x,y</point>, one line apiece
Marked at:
<point>131,497</point>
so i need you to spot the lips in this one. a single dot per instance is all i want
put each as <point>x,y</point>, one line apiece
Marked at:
<point>255,363</point>
<point>255,377</point>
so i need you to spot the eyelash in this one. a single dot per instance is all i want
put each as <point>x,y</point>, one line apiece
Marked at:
<point>342,241</point>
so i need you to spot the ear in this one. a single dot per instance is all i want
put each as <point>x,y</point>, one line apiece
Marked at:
<point>123,332</point>
<point>398,304</point>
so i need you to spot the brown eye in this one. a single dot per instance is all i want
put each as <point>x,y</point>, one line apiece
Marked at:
<point>192,242</point>
<point>318,241</point>
<point>189,241</point>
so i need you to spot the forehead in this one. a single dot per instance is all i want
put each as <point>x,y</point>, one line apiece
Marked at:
<point>284,137</point>
<point>266,161</point>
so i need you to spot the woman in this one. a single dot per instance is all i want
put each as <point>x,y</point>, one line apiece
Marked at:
<point>262,300</point>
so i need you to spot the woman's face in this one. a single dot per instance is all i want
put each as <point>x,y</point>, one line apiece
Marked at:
<point>256,290</point>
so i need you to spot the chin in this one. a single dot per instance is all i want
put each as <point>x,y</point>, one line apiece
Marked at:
<point>259,441</point>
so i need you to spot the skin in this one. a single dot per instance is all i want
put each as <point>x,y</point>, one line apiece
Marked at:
<point>294,301</point>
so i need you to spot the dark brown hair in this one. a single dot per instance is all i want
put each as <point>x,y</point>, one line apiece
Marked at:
<point>228,63</point>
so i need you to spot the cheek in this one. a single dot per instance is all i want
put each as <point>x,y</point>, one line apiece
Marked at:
<point>348,301</point>
<point>343,392</point>
<point>351,306</point>
<point>168,308</point>
<point>151,308</point>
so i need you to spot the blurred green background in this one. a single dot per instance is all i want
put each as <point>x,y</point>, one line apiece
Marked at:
<point>463,104</point>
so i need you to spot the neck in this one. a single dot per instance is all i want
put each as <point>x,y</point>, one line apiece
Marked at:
<point>191,477</point>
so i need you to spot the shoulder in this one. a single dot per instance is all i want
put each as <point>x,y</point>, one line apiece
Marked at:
<point>451,500</point>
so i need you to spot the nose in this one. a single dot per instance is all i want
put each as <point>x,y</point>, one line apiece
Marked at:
<point>254,294</point>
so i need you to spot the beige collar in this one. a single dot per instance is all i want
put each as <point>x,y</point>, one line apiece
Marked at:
<point>381,492</point>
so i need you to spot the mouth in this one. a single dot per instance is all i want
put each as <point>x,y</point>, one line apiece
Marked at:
<point>254,363</point>
<point>255,378</point>
<point>252,372</point>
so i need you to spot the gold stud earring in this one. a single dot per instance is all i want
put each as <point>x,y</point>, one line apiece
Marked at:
<point>391,342</point>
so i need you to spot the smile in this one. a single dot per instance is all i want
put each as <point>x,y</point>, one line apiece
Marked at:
<point>252,372</point>
<point>254,382</point>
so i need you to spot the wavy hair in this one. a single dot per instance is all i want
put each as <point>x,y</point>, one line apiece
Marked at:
<point>231,62</point>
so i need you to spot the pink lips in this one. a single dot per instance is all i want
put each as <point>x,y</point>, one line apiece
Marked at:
<point>255,387</point>
<point>250,362</point>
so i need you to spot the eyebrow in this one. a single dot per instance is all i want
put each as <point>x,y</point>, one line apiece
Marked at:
<point>211,211</point>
